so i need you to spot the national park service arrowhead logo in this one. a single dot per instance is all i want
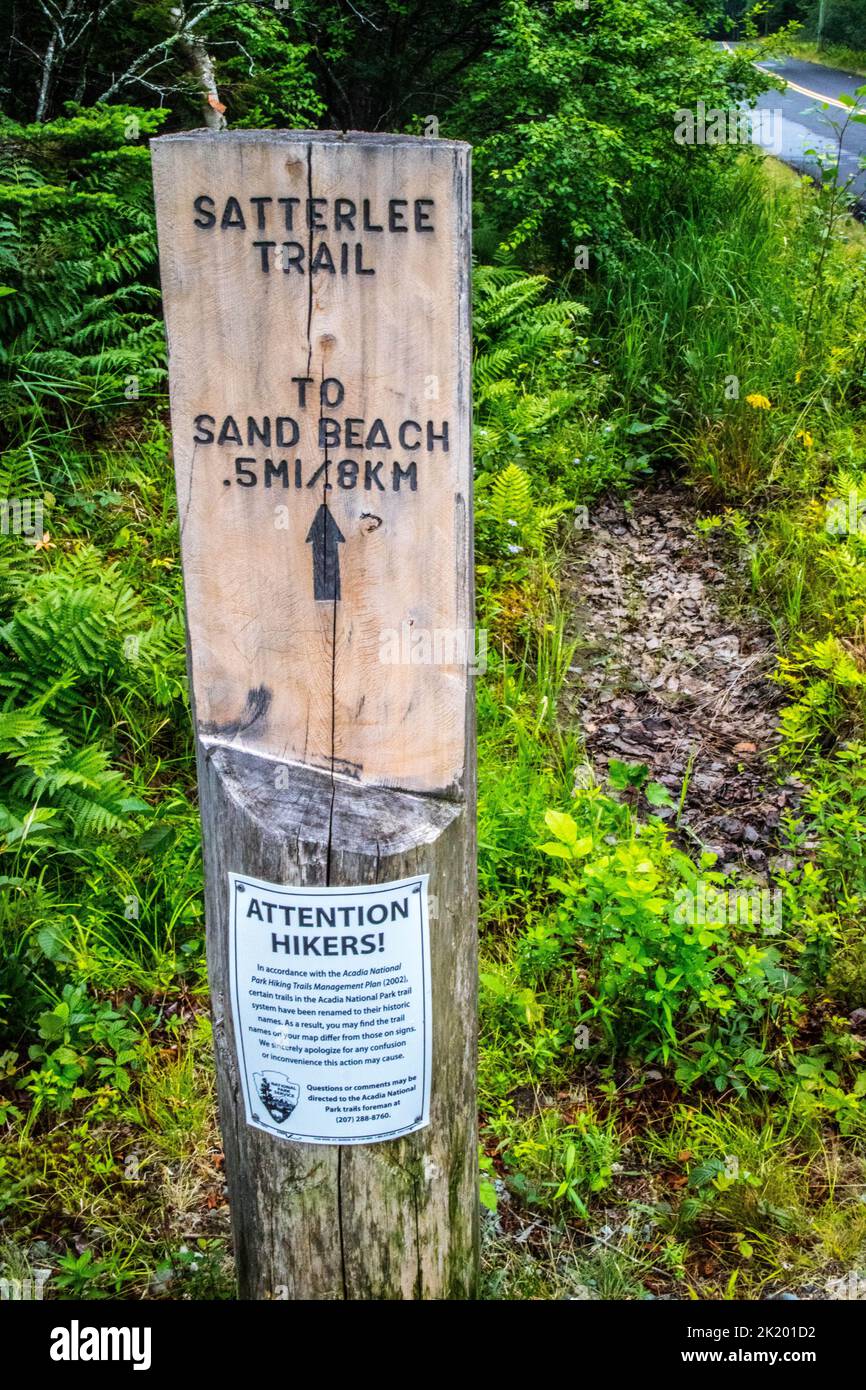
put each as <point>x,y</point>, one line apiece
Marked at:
<point>277,1094</point>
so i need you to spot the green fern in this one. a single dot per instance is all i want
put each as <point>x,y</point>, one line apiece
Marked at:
<point>509,506</point>
<point>76,636</point>
<point>510,497</point>
<point>68,638</point>
<point>77,249</point>
<point>525,349</point>
<point>80,785</point>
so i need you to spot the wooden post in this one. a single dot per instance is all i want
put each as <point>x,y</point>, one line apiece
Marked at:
<point>316,291</point>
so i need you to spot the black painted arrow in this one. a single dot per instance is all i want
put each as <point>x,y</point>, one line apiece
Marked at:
<point>325,535</point>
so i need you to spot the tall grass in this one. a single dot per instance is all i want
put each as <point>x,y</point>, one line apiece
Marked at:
<point>753,294</point>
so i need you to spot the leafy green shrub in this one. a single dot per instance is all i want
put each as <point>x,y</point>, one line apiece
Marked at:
<point>660,980</point>
<point>83,1042</point>
<point>846,978</point>
<point>571,115</point>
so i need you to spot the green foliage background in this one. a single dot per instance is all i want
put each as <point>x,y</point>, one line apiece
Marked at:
<point>586,379</point>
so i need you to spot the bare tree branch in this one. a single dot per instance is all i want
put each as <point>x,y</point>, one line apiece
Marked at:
<point>64,37</point>
<point>56,41</point>
<point>164,45</point>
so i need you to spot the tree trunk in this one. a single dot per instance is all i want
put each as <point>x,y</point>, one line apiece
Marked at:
<point>397,1220</point>
<point>202,67</point>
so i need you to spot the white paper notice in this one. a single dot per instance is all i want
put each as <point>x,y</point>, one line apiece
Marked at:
<point>331,1001</point>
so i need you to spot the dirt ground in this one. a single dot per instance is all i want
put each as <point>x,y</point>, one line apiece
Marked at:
<point>664,676</point>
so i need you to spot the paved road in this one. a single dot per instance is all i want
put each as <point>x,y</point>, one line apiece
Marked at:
<point>803,125</point>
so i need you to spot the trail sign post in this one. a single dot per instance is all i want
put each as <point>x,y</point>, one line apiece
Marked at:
<point>316,290</point>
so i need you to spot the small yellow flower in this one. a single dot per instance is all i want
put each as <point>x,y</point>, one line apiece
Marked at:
<point>758,402</point>
<point>46,543</point>
<point>806,438</point>
<point>798,375</point>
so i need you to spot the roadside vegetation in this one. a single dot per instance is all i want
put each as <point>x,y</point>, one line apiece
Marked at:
<point>819,31</point>
<point>671,1100</point>
<point>832,55</point>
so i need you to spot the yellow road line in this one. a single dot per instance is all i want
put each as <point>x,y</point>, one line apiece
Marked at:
<point>816,96</point>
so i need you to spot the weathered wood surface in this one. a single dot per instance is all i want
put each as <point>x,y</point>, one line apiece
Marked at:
<point>378,1221</point>
<point>275,670</point>
<point>319,762</point>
